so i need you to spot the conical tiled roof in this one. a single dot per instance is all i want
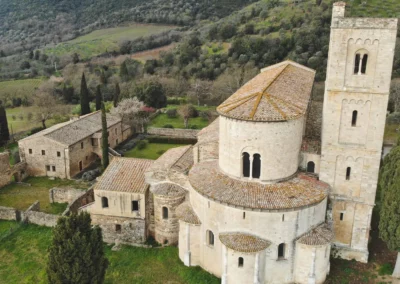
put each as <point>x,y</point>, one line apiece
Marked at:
<point>280,92</point>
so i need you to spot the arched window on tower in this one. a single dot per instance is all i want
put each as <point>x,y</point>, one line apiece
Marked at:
<point>354,118</point>
<point>311,167</point>
<point>104,202</point>
<point>348,173</point>
<point>240,262</point>
<point>246,164</point>
<point>256,166</point>
<point>357,63</point>
<point>165,213</point>
<point>281,251</point>
<point>364,64</point>
<point>210,238</point>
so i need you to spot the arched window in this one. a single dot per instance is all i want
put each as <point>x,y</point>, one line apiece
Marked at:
<point>210,238</point>
<point>357,63</point>
<point>281,251</point>
<point>311,167</point>
<point>256,166</point>
<point>348,173</point>
<point>240,262</point>
<point>364,64</point>
<point>165,213</point>
<point>354,118</point>
<point>246,164</point>
<point>104,202</point>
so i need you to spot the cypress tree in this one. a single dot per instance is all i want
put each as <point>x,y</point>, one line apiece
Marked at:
<point>76,253</point>
<point>104,139</point>
<point>98,98</point>
<point>4,132</point>
<point>85,107</point>
<point>123,71</point>
<point>116,94</point>
<point>389,185</point>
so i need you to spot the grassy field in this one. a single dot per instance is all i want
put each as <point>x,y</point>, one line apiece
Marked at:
<point>23,260</point>
<point>104,40</point>
<point>153,151</point>
<point>19,88</point>
<point>21,196</point>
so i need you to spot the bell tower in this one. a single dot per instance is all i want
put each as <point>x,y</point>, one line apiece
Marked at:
<point>360,61</point>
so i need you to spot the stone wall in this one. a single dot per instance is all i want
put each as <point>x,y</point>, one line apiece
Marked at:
<point>64,195</point>
<point>33,216</point>
<point>81,200</point>
<point>7,213</point>
<point>175,133</point>
<point>4,169</point>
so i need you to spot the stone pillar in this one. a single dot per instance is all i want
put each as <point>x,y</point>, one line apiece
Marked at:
<point>311,276</point>
<point>224,279</point>
<point>257,269</point>
<point>187,253</point>
<point>251,166</point>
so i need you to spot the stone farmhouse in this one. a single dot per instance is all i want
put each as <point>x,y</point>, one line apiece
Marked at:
<point>66,149</point>
<point>249,201</point>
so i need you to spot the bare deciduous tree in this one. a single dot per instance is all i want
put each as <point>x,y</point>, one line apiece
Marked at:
<point>201,90</point>
<point>131,112</point>
<point>186,112</point>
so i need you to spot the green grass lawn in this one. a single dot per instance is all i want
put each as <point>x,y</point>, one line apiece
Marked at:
<point>391,133</point>
<point>100,41</point>
<point>23,256</point>
<point>22,196</point>
<point>19,88</point>
<point>162,119</point>
<point>153,151</point>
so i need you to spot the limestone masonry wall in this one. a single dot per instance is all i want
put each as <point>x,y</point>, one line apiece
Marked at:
<point>83,199</point>
<point>64,195</point>
<point>7,213</point>
<point>33,216</point>
<point>177,133</point>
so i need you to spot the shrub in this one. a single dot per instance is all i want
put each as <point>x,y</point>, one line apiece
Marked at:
<point>193,126</point>
<point>176,100</point>
<point>168,140</point>
<point>172,113</point>
<point>142,144</point>
<point>385,269</point>
<point>160,152</point>
<point>35,130</point>
<point>168,126</point>
<point>393,118</point>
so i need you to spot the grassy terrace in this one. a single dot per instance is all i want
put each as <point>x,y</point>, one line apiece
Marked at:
<point>153,151</point>
<point>21,196</point>
<point>23,260</point>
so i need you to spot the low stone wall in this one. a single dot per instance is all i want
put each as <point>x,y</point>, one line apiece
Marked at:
<point>33,216</point>
<point>8,213</point>
<point>174,133</point>
<point>64,195</point>
<point>81,200</point>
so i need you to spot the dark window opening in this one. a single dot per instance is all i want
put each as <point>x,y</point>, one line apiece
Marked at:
<point>348,173</point>
<point>80,166</point>
<point>246,164</point>
<point>54,168</point>
<point>341,216</point>
<point>116,141</point>
<point>81,145</point>
<point>165,213</point>
<point>47,168</point>
<point>311,167</point>
<point>165,242</point>
<point>354,118</point>
<point>210,238</point>
<point>281,251</point>
<point>357,63</point>
<point>283,217</point>
<point>364,64</point>
<point>135,205</point>
<point>30,151</point>
<point>43,152</point>
<point>241,262</point>
<point>118,228</point>
<point>58,154</point>
<point>244,215</point>
<point>256,166</point>
<point>104,202</point>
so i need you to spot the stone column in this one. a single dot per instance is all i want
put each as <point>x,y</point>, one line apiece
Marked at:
<point>187,259</point>
<point>224,279</point>
<point>311,276</point>
<point>257,269</point>
<point>251,166</point>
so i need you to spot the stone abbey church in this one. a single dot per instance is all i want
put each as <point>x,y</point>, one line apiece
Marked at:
<point>256,200</point>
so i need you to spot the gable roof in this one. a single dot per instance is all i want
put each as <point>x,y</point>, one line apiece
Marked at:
<point>243,242</point>
<point>125,175</point>
<point>71,132</point>
<point>280,92</point>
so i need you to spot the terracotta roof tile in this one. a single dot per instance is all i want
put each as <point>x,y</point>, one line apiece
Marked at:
<point>243,242</point>
<point>168,189</point>
<point>298,192</point>
<point>186,214</point>
<point>170,158</point>
<point>125,175</point>
<point>320,235</point>
<point>280,92</point>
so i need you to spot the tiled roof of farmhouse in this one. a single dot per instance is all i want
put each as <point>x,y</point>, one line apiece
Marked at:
<point>125,175</point>
<point>243,242</point>
<point>300,191</point>
<point>168,189</point>
<point>186,214</point>
<point>320,235</point>
<point>179,158</point>
<point>280,92</point>
<point>71,132</point>
<point>209,133</point>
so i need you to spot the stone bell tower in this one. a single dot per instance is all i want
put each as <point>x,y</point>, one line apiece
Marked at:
<point>359,71</point>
